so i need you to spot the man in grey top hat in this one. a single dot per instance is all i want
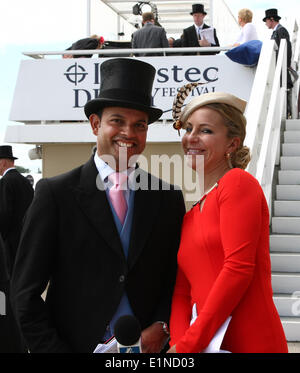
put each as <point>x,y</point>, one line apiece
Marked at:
<point>99,235</point>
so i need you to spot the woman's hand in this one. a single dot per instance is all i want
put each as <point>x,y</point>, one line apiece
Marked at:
<point>172,350</point>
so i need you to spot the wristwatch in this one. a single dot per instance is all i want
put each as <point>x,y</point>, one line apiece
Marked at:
<point>165,327</point>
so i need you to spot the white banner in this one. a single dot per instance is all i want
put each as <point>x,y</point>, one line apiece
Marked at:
<point>57,89</point>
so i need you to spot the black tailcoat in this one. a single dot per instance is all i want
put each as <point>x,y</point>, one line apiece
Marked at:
<point>70,240</point>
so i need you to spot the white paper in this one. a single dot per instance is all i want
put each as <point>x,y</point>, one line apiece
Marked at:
<point>208,34</point>
<point>110,347</point>
<point>215,343</point>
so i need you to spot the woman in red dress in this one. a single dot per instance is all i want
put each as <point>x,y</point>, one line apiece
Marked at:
<point>223,261</point>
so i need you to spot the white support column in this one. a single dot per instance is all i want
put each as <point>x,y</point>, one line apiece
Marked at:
<point>88,18</point>
<point>211,13</point>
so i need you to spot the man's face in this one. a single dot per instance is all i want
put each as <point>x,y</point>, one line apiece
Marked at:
<point>198,18</point>
<point>269,23</point>
<point>121,133</point>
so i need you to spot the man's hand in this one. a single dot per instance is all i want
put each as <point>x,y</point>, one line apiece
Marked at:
<point>153,338</point>
<point>204,43</point>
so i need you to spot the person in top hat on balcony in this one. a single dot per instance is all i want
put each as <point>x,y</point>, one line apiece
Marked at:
<point>192,35</point>
<point>105,242</point>
<point>279,32</point>
<point>16,194</point>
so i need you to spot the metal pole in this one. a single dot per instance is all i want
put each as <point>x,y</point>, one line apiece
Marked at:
<point>118,26</point>
<point>211,13</point>
<point>88,18</point>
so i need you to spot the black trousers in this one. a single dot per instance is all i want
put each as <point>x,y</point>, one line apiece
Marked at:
<point>11,340</point>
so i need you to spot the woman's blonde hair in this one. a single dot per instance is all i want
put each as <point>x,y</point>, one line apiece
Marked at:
<point>235,122</point>
<point>245,15</point>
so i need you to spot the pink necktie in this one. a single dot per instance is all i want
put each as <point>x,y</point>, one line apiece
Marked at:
<point>116,195</point>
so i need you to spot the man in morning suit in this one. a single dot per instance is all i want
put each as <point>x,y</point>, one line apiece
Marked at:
<point>150,35</point>
<point>16,194</point>
<point>103,239</point>
<point>191,35</point>
<point>279,32</point>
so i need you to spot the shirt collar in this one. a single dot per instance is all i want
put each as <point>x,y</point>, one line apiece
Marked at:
<point>6,171</point>
<point>198,27</point>
<point>105,170</point>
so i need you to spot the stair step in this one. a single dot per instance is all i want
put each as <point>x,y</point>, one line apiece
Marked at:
<point>287,208</point>
<point>288,192</point>
<point>292,125</point>
<point>285,243</point>
<point>291,136</point>
<point>288,177</point>
<point>287,305</point>
<point>289,225</point>
<point>285,262</point>
<point>287,283</point>
<point>291,149</point>
<point>290,163</point>
<point>291,326</point>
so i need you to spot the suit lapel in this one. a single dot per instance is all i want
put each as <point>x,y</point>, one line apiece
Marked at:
<point>95,206</point>
<point>146,209</point>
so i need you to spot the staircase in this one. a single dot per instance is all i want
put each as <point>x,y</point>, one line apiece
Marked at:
<point>285,236</point>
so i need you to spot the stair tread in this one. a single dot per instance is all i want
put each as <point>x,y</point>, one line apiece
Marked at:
<point>279,253</point>
<point>289,274</point>
<point>293,319</point>
<point>286,217</point>
<point>285,295</point>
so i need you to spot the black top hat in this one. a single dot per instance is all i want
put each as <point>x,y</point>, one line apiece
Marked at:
<point>197,8</point>
<point>272,13</point>
<point>6,152</point>
<point>127,83</point>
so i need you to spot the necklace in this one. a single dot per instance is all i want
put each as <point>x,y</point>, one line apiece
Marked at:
<point>210,189</point>
<point>205,194</point>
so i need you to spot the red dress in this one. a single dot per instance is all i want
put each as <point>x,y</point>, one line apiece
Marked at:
<point>224,267</point>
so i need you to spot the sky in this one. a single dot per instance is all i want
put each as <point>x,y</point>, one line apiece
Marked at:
<point>40,25</point>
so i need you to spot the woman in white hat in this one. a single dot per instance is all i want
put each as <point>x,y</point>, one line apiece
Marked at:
<point>223,261</point>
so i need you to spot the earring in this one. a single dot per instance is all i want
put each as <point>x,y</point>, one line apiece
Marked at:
<point>228,157</point>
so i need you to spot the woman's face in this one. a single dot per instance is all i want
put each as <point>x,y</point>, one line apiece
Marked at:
<point>206,135</point>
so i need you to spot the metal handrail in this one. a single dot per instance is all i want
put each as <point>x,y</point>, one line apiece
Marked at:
<point>130,51</point>
<point>269,154</point>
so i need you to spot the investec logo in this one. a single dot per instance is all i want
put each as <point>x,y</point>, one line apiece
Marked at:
<point>167,82</point>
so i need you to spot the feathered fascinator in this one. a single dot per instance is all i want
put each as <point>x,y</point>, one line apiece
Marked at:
<point>182,94</point>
